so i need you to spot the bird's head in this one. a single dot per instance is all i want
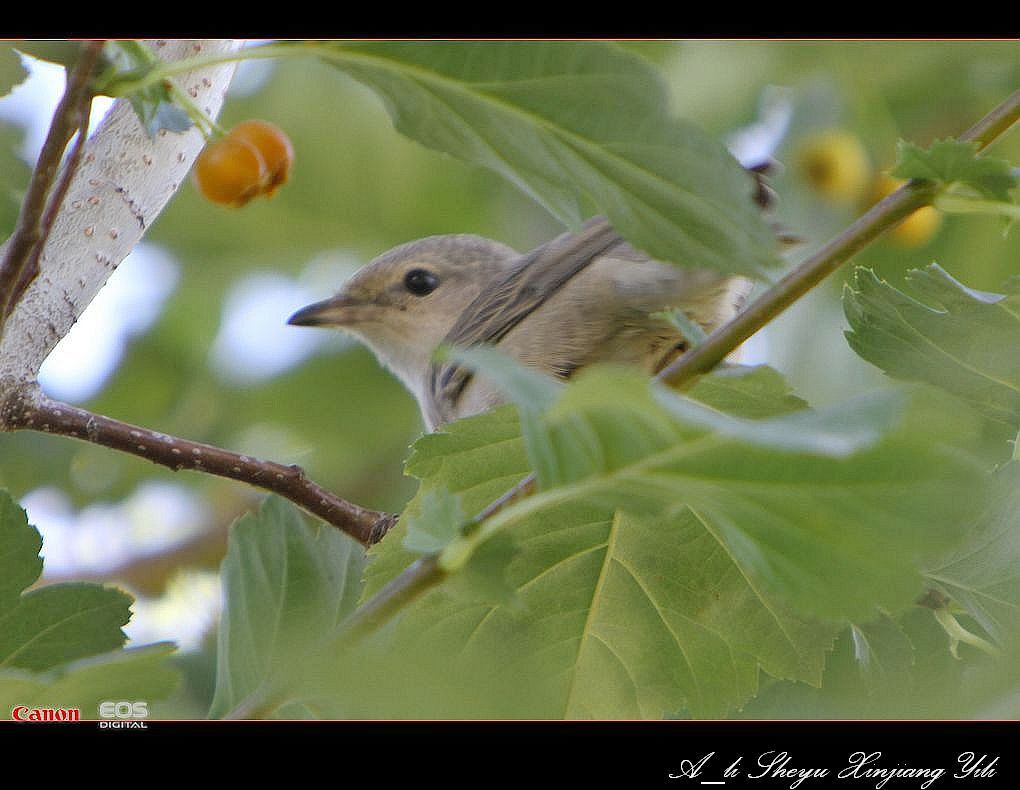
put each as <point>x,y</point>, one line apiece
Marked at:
<point>404,302</point>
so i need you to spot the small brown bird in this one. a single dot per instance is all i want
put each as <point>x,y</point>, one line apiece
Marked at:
<point>580,299</point>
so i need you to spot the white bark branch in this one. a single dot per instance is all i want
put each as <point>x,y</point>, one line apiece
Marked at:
<point>124,181</point>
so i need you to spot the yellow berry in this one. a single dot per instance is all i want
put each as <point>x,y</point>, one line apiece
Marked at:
<point>230,172</point>
<point>834,164</point>
<point>919,227</point>
<point>273,145</point>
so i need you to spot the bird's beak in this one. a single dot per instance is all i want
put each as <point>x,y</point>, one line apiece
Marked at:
<point>335,311</point>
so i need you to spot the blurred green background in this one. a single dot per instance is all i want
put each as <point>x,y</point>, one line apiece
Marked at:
<point>210,356</point>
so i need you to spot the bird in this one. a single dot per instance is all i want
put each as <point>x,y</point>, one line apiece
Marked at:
<point>583,298</point>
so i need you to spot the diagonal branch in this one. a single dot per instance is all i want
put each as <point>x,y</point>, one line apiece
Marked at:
<point>30,409</point>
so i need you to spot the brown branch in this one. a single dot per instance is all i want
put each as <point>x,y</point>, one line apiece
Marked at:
<point>21,263</point>
<point>27,408</point>
<point>30,270</point>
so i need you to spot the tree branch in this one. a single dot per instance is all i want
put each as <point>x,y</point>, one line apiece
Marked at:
<point>30,409</point>
<point>20,264</point>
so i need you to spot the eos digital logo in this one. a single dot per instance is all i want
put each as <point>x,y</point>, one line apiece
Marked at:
<point>123,715</point>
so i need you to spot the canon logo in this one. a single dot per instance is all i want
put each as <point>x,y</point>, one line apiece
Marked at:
<point>25,713</point>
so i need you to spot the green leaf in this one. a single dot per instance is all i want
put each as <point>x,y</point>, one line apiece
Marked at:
<point>12,70</point>
<point>20,563</point>
<point>154,105</point>
<point>63,622</point>
<point>156,110</point>
<point>55,640</point>
<point>983,573</point>
<point>955,161</point>
<point>581,127</point>
<point>691,330</point>
<point>436,523</point>
<point>611,616</point>
<point>141,673</point>
<point>286,585</point>
<point>50,625</point>
<point>477,458</point>
<point>780,495</point>
<point>887,667</point>
<point>669,560</point>
<point>962,340</point>
<point>60,51</point>
<point>747,391</point>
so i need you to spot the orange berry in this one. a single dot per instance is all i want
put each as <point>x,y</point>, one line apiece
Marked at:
<point>274,146</point>
<point>230,172</point>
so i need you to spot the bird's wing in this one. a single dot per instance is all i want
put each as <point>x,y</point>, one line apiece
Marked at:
<point>528,285</point>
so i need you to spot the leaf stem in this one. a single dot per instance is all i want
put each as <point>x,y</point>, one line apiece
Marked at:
<point>206,125</point>
<point>163,70</point>
<point>956,204</point>
<point>957,633</point>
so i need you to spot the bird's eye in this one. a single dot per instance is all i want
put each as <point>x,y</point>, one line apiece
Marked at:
<point>420,282</point>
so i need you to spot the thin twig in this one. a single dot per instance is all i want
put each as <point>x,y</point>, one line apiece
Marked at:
<point>412,582</point>
<point>31,268</point>
<point>38,210</point>
<point>720,343</point>
<point>426,571</point>
<point>28,408</point>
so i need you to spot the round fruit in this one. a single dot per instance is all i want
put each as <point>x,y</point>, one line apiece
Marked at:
<point>918,227</point>
<point>230,172</point>
<point>274,146</point>
<point>835,164</point>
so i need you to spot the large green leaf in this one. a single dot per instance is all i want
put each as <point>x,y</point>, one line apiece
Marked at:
<point>481,458</point>
<point>818,507</point>
<point>578,126</point>
<point>62,622</point>
<point>962,340</point>
<point>286,585</point>
<point>669,554</point>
